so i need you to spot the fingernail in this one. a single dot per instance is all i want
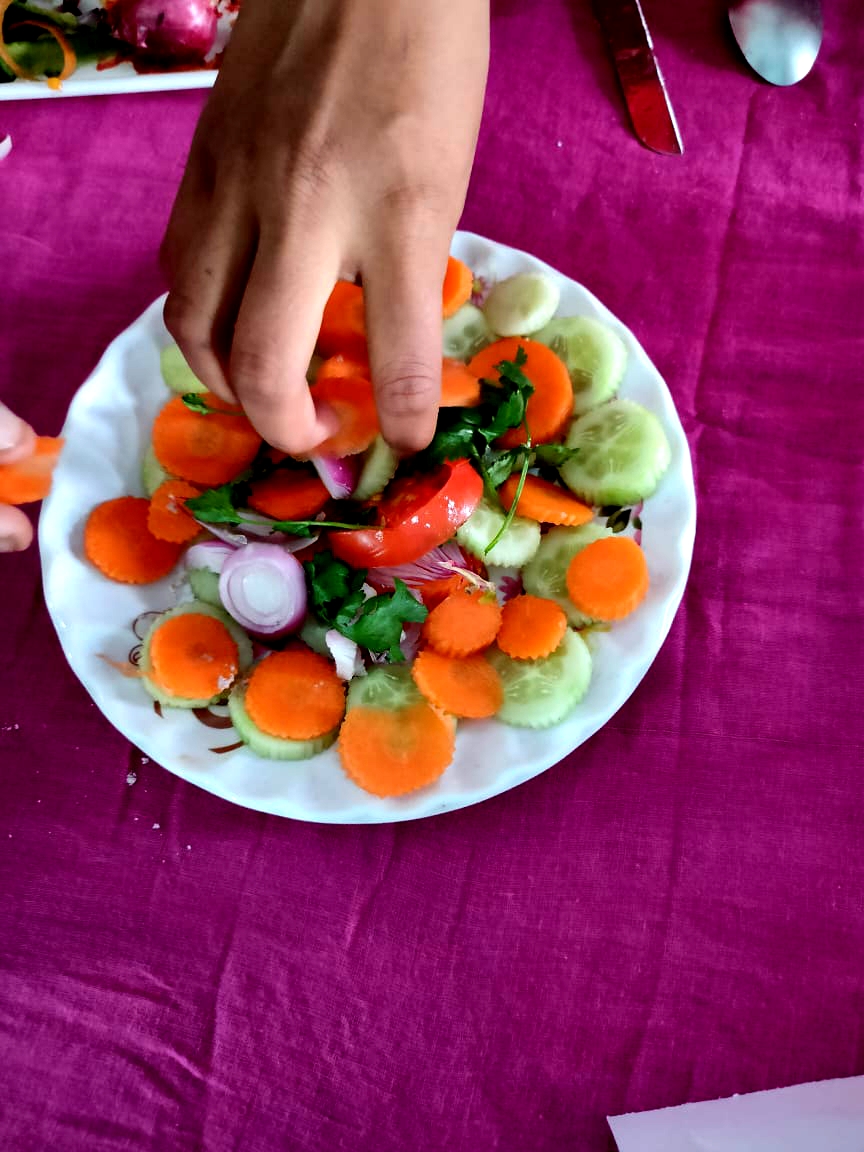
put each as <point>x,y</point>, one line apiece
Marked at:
<point>328,418</point>
<point>11,430</point>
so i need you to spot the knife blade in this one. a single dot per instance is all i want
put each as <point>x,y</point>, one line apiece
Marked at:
<point>626,32</point>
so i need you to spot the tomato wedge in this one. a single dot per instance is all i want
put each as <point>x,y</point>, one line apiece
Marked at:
<point>416,514</point>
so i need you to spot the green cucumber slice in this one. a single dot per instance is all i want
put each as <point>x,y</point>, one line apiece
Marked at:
<point>152,472</point>
<point>546,574</point>
<point>595,355</point>
<point>515,548</point>
<point>176,372</point>
<point>205,586</point>
<point>521,304</point>
<point>385,686</point>
<point>379,468</point>
<point>312,634</point>
<point>272,747</point>
<point>465,333</point>
<point>244,651</point>
<point>623,453</point>
<point>541,693</point>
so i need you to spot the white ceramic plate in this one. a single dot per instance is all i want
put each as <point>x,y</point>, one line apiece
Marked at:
<point>107,430</point>
<point>88,80</point>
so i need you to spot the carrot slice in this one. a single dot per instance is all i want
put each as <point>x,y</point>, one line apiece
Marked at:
<point>29,480</point>
<point>468,687</point>
<point>389,753</point>
<point>119,543</point>
<point>463,623</point>
<point>295,695</point>
<point>193,656</point>
<point>458,286</point>
<point>343,325</point>
<point>432,592</point>
<point>609,578</point>
<point>531,627</point>
<point>353,401</point>
<point>550,407</point>
<point>460,388</point>
<point>288,495</point>
<point>340,365</point>
<point>544,502</point>
<point>205,448</point>
<point>168,518</point>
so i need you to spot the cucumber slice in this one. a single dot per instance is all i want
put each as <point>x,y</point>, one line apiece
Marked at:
<point>465,333</point>
<point>152,472</point>
<point>623,452</point>
<point>244,651</point>
<point>272,747</point>
<point>176,372</point>
<point>546,574</point>
<point>387,686</point>
<point>515,548</point>
<point>379,468</point>
<point>205,586</point>
<point>541,693</point>
<point>522,304</point>
<point>596,358</point>
<point>312,634</point>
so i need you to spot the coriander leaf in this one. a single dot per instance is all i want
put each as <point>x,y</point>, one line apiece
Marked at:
<point>216,505</point>
<point>196,403</point>
<point>306,527</point>
<point>555,454</point>
<point>334,587</point>
<point>497,466</point>
<point>378,627</point>
<point>511,513</point>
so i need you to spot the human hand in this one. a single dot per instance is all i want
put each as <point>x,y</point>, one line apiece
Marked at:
<point>338,141</point>
<point>17,440</point>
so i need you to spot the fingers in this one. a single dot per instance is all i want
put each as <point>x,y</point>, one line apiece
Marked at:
<point>402,286</point>
<point>274,339</point>
<point>16,531</point>
<point>17,438</point>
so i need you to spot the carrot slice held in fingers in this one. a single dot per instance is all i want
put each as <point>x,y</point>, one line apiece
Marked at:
<point>288,495</point>
<point>119,543</point>
<point>29,480</point>
<point>465,686</point>
<point>460,388</point>
<point>355,366</point>
<point>608,579</point>
<point>531,627</point>
<point>343,324</point>
<point>295,695</point>
<point>550,406</point>
<point>544,502</point>
<point>352,400</point>
<point>389,753</point>
<point>458,285</point>
<point>207,448</point>
<point>168,518</point>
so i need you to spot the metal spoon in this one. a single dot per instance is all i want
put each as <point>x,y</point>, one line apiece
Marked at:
<point>780,39</point>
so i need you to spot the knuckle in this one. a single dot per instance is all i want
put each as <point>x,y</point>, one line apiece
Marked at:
<point>184,319</point>
<point>407,387</point>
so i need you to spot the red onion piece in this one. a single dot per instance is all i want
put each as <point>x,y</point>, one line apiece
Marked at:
<point>339,474</point>
<point>438,564</point>
<point>166,29</point>
<point>264,588</point>
<point>210,554</point>
<point>259,529</point>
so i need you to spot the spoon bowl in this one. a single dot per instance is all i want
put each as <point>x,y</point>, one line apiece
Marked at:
<point>780,39</point>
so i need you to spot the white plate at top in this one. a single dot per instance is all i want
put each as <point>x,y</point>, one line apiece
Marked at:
<point>119,79</point>
<point>107,431</point>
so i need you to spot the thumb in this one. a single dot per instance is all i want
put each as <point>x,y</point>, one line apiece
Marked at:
<point>17,439</point>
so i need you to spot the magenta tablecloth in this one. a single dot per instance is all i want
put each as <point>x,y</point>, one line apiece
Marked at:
<point>674,913</point>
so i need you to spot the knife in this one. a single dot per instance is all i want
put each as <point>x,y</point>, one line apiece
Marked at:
<point>629,40</point>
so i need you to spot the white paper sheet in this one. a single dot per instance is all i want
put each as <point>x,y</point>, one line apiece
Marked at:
<point>823,1117</point>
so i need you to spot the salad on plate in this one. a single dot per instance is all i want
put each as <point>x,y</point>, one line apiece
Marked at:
<point>378,604</point>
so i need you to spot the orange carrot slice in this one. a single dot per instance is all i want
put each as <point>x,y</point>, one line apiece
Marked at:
<point>467,687</point>
<point>550,407</point>
<point>389,753</point>
<point>608,579</point>
<point>193,656</point>
<point>460,388</point>
<point>354,366</point>
<point>343,325</point>
<point>288,495</point>
<point>531,627</point>
<point>353,401</point>
<point>29,480</point>
<point>545,502</point>
<point>168,518</point>
<point>119,543</point>
<point>295,695</point>
<point>205,448</point>
<point>463,623</point>
<point>458,285</point>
